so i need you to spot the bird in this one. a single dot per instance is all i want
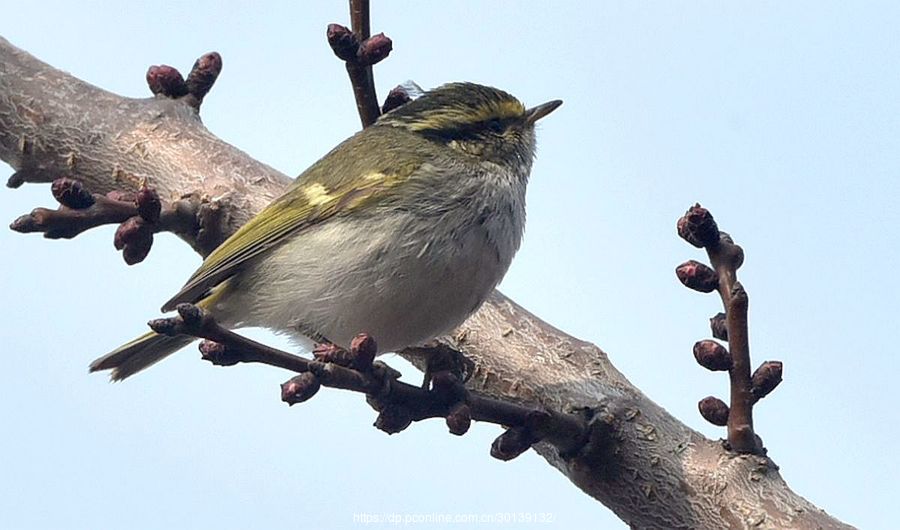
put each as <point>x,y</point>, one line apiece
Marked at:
<point>401,232</point>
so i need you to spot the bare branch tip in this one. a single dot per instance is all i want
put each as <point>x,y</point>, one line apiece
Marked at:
<point>698,227</point>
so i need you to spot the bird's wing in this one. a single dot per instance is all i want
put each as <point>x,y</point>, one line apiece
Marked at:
<point>307,203</point>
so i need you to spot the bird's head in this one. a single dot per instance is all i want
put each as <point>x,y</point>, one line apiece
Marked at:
<point>475,120</point>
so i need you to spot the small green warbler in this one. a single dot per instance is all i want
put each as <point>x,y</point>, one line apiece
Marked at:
<point>401,232</point>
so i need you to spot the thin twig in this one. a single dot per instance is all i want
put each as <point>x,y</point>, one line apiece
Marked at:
<point>698,228</point>
<point>725,258</point>
<point>139,215</point>
<point>361,76</point>
<point>393,398</point>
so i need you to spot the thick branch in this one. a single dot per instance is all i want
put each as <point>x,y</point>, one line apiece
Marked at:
<point>658,474</point>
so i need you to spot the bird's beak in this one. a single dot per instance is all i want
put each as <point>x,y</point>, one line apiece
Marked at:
<point>535,113</point>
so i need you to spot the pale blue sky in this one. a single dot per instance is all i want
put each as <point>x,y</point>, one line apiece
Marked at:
<point>782,117</point>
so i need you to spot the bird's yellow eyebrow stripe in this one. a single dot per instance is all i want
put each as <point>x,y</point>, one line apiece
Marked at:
<point>446,117</point>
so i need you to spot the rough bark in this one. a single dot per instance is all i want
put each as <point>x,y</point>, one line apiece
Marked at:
<point>648,467</point>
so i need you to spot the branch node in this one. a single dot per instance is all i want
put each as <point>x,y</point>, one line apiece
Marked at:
<point>738,299</point>
<point>360,51</point>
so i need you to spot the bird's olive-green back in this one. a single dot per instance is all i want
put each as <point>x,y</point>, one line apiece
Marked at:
<point>357,171</point>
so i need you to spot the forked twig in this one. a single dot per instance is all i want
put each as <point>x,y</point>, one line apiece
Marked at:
<point>398,403</point>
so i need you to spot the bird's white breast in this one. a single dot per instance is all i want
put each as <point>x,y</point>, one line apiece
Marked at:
<point>398,280</point>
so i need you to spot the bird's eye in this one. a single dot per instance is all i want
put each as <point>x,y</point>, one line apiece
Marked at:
<point>495,125</point>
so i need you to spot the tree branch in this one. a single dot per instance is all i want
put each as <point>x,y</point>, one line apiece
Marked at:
<point>645,465</point>
<point>698,228</point>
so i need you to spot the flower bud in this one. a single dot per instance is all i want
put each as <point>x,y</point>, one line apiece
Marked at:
<point>714,410</point>
<point>204,74</point>
<point>698,227</point>
<point>327,352</point>
<point>363,350</point>
<point>374,49</point>
<point>166,80</point>
<point>148,204</point>
<point>511,444</point>
<point>71,193</point>
<point>393,419</point>
<point>397,97</point>
<point>191,314</point>
<point>343,42</point>
<point>766,378</point>
<point>134,238</point>
<point>697,276</point>
<point>300,388</point>
<point>164,326</point>
<point>718,325</point>
<point>217,353</point>
<point>459,419</point>
<point>712,356</point>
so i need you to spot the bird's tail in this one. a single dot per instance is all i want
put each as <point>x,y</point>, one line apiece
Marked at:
<point>140,353</point>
